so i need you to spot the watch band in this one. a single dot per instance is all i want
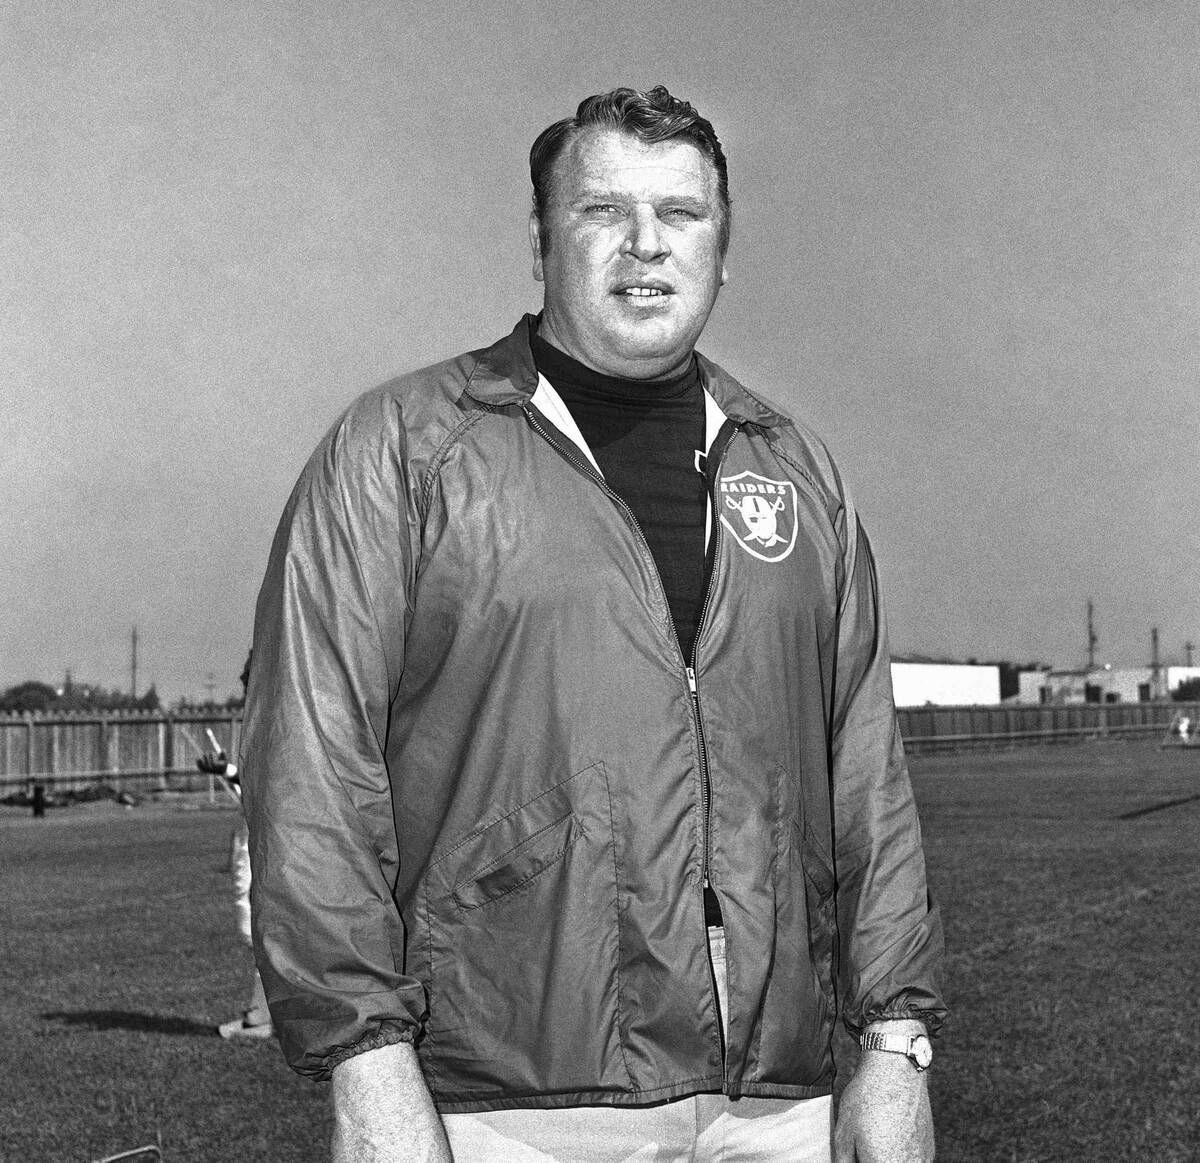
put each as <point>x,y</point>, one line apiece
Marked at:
<point>915,1047</point>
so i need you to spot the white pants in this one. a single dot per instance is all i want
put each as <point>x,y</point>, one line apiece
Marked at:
<point>706,1128</point>
<point>255,1011</point>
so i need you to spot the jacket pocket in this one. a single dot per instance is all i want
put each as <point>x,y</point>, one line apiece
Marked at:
<point>818,866</point>
<point>793,1043</point>
<point>522,952</point>
<point>519,865</point>
<point>820,906</point>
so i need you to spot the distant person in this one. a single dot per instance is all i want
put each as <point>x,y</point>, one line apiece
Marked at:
<point>38,800</point>
<point>254,1023</point>
<point>579,813</point>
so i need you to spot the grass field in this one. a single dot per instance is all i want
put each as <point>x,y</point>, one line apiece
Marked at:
<point>1069,880</point>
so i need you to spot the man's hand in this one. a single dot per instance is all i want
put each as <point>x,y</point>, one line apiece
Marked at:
<point>382,1110</point>
<point>213,764</point>
<point>884,1115</point>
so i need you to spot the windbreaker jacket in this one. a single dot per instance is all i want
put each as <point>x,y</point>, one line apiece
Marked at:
<point>485,788</point>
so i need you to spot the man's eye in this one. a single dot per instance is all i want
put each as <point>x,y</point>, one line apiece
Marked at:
<point>602,208</point>
<point>678,213</point>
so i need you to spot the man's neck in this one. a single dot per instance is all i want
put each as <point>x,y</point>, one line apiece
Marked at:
<point>567,373</point>
<point>658,374</point>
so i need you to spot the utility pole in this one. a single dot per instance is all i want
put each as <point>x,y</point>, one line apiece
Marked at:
<point>133,666</point>
<point>1155,684</point>
<point>1093,641</point>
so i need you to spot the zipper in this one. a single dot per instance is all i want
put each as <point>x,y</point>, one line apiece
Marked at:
<point>712,466</point>
<point>705,789</point>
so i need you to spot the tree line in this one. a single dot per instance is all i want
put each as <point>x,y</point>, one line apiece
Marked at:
<point>33,696</point>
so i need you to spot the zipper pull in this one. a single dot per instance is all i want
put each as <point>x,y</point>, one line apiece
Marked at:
<point>691,677</point>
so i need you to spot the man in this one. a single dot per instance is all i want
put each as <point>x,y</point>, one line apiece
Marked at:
<point>253,1024</point>
<point>577,803</point>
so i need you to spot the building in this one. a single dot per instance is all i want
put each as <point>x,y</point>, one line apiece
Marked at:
<point>945,684</point>
<point>1102,684</point>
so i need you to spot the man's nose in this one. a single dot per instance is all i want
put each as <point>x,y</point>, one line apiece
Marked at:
<point>646,239</point>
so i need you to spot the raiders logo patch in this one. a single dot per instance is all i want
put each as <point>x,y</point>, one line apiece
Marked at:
<point>760,513</point>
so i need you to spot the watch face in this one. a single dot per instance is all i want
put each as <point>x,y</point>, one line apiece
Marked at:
<point>921,1051</point>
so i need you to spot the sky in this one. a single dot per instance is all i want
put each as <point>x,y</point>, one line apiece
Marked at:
<point>966,250</point>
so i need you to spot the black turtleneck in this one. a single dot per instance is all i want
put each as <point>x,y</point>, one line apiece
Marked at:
<point>645,435</point>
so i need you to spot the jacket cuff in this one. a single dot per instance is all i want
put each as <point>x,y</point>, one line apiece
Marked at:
<point>933,1019</point>
<point>389,1035</point>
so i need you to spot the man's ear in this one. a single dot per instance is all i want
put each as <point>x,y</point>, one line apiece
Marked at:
<point>535,244</point>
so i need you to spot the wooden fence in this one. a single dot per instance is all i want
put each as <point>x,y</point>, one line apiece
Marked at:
<point>943,728</point>
<point>128,750</point>
<point>152,750</point>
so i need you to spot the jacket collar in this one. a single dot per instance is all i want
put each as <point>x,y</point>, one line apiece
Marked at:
<point>739,404</point>
<point>506,374</point>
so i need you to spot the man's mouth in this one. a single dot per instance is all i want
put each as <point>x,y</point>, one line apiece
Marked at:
<point>638,291</point>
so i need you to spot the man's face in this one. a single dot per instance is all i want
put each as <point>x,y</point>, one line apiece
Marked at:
<point>635,259</point>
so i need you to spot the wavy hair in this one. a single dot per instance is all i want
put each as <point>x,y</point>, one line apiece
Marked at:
<point>653,116</point>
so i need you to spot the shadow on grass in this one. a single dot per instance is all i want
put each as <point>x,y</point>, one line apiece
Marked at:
<point>125,1020</point>
<point>1139,812</point>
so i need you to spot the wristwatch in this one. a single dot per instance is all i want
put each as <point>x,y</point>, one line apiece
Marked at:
<point>915,1047</point>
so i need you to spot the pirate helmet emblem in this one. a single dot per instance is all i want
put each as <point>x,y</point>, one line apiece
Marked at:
<point>767,512</point>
